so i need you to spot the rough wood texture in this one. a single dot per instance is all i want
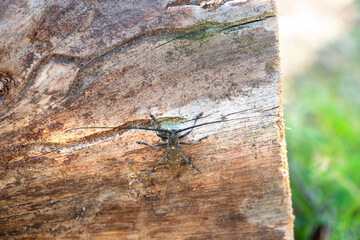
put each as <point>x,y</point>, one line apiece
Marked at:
<point>112,63</point>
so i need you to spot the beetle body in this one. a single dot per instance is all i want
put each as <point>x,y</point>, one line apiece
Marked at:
<point>173,158</point>
<point>173,152</point>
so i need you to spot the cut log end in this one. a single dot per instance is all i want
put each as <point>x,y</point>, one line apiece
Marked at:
<point>81,64</point>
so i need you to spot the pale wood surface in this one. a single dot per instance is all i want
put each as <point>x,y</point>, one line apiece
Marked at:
<point>103,63</point>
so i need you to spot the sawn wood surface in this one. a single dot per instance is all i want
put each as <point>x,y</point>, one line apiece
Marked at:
<point>67,64</point>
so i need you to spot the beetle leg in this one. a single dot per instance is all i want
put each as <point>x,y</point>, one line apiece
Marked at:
<point>188,162</point>
<point>154,169</point>
<point>156,145</point>
<point>159,135</point>
<point>196,118</point>
<point>185,143</point>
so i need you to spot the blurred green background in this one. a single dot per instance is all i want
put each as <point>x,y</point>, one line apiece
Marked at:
<point>322,112</point>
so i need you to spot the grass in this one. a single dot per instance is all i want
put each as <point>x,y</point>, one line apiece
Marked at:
<point>323,142</point>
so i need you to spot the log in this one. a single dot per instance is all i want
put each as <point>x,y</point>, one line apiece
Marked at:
<point>68,64</point>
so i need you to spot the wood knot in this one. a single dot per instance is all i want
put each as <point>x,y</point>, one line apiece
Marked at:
<point>6,86</point>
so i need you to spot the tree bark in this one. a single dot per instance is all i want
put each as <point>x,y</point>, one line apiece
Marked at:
<point>68,64</point>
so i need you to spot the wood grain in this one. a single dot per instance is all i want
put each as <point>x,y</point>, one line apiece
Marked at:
<point>105,63</point>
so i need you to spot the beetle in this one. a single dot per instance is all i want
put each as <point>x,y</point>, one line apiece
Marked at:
<point>172,138</point>
<point>172,142</point>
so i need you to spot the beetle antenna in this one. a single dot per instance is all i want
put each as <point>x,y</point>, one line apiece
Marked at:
<point>135,128</point>
<point>199,125</point>
<point>220,121</point>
